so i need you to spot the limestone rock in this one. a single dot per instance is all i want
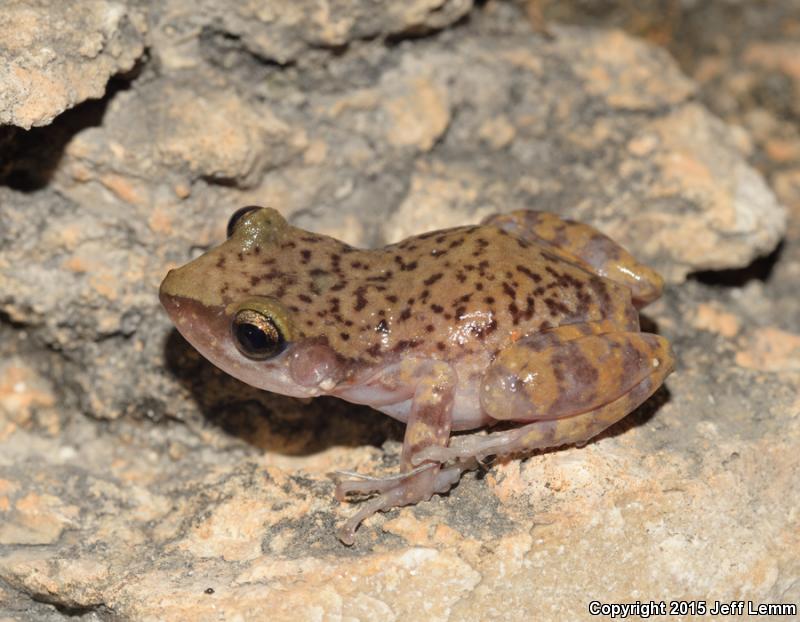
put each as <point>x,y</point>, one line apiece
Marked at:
<point>196,497</point>
<point>56,55</point>
<point>285,30</point>
<point>408,152</point>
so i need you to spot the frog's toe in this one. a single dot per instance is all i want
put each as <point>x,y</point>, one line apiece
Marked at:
<point>447,454</point>
<point>408,488</point>
<point>360,484</point>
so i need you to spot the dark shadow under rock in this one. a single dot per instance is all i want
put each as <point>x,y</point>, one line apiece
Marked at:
<point>759,269</point>
<point>274,422</point>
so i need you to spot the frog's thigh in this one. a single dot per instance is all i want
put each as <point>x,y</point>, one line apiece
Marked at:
<point>547,377</point>
<point>592,249</point>
<point>648,371</point>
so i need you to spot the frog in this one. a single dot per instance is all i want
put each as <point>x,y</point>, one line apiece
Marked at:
<point>517,334</point>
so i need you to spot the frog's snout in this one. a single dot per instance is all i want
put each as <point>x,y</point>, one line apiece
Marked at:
<point>167,299</point>
<point>173,295</point>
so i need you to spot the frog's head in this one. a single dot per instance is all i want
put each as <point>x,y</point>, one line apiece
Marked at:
<point>234,304</point>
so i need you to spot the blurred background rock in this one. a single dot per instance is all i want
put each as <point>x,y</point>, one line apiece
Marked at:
<point>138,482</point>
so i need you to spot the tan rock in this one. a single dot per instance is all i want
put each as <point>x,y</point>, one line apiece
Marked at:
<point>771,349</point>
<point>418,116</point>
<point>712,318</point>
<point>22,392</point>
<point>36,519</point>
<point>498,133</point>
<point>780,56</point>
<point>199,498</point>
<point>286,30</point>
<point>740,207</point>
<point>439,197</point>
<point>626,73</point>
<point>219,137</point>
<point>53,57</point>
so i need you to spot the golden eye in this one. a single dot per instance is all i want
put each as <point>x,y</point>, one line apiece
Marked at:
<point>237,216</point>
<point>257,335</point>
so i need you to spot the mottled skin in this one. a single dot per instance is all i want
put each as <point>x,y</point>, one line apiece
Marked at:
<point>526,318</point>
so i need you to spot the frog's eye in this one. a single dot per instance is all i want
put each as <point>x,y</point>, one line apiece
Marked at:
<point>257,335</point>
<point>237,216</point>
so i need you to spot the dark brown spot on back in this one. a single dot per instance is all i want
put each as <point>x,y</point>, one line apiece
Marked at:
<point>432,279</point>
<point>536,278</point>
<point>381,277</point>
<point>361,299</point>
<point>404,344</point>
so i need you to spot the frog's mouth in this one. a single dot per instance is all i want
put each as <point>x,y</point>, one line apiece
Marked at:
<point>208,329</point>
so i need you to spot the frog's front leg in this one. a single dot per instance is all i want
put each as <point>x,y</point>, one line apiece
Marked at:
<point>585,246</point>
<point>570,389</point>
<point>428,425</point>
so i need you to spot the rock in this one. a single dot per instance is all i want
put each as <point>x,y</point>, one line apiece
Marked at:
<point>54,56</point>
<point>172,159</point>
<point>284,31</point>
<point>197,497</point>
<point>771,349</point>
<point>745,219</point>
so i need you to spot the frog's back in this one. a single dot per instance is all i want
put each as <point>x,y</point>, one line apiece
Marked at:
<point>449,293</point>
<point>444,294</point>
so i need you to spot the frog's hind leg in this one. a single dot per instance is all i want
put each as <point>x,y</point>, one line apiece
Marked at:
<point>570,391</point>
<point>585,246</point>
<point>428,425</point>
<point>544,434</point>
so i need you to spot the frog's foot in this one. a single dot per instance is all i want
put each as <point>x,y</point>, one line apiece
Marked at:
<point>428,425</point>
<point>361,484</point>
<point>585,246</point>
<point>406,489</point>
<point>570,391</point>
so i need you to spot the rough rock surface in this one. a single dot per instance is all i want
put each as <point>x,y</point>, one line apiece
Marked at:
<point>54,55</point>
<point>371,146</point>
<point>137,482</point>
